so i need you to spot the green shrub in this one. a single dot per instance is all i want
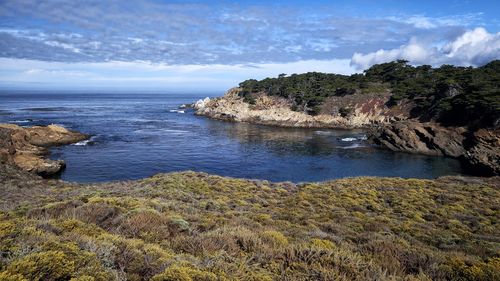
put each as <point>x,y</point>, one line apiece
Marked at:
<point>49,265</point>
<point>276,238</point>
<point>184,273</point>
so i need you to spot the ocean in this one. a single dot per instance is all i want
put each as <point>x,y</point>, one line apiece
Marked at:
<point>138,135</point>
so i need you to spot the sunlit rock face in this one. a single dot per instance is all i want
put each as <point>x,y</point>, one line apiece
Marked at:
<point>26,147</point>
<point>270,110</point>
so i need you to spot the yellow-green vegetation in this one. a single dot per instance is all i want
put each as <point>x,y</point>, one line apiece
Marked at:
<point>194,226</point>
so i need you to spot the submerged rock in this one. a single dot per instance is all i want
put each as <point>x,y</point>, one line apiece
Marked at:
<point>26,147</point>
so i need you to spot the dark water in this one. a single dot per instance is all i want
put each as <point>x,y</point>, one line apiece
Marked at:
<point>136,136</point>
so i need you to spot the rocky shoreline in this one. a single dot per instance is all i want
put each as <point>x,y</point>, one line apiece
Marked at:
<point>391,127</point>
<point>276,111</point>
<point>26,148</point>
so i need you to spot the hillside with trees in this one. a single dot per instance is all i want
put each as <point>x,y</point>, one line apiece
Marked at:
<point>452,95</point>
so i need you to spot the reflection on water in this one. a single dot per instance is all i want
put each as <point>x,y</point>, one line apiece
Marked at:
<point>296,140</point>
<point>136,136</point>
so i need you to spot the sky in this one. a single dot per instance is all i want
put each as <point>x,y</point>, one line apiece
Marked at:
<point>213,45</point>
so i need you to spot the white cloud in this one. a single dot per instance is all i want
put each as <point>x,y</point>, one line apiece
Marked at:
<point>424,22</point>
<point>421,22</point>
<point>474,47</point>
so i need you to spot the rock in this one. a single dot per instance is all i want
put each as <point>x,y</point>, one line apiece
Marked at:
<point>25,147</point>
<point>391,125</point>
<point>450,91</point>
<point>9,173</point>
<point>7,148</point>
<point>53,135</point>
<point>423,138</point>
<point>480,149</point>
<point>38,165</point>
<point>484,155</point>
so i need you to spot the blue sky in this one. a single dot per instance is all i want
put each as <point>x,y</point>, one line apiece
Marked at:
<point>213,45</point>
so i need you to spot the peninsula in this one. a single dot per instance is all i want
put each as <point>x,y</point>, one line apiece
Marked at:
<point>448,111</point>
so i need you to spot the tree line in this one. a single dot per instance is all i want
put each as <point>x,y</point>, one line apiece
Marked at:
<point>453,95</point>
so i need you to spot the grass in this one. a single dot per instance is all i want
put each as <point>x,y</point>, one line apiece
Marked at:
<point>195,226</point>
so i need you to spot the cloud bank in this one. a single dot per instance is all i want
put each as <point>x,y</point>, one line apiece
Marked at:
<point>137,75</point>
<point>474,47</point>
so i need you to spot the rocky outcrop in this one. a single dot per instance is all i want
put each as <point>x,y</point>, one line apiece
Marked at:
<point>480,149</point>
<point>26,147</point>
<point>484,152</point>
<point>423,138</point>
<point>359,112</point>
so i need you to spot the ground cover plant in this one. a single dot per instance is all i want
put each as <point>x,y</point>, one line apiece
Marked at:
<point>195,226</point>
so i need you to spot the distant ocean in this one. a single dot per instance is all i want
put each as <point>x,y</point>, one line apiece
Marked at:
<point>138,135</point>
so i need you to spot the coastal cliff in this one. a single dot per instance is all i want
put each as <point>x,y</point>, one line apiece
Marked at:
<point>344,112</point>
<point>26,148</point>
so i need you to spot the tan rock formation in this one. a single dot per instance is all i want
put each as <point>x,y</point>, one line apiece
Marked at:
<point>25,147</point>
<point>276,111</point>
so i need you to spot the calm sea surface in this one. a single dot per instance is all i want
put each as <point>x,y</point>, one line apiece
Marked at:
<point>139,135</point>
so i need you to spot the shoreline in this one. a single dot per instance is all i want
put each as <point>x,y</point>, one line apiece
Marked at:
<point>272,111</point>
<point>391,128</point>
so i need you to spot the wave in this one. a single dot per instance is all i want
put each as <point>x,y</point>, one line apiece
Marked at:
<point>141,120</point>
<point>174,131</point>
<point>324,133</point>
<point>360,138</point>
<point>82,143</point>
<point>45,109</point>
<point>353,146</point>
<point>86,142</point>
<point>177,111</point>
<point>23,121</point>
